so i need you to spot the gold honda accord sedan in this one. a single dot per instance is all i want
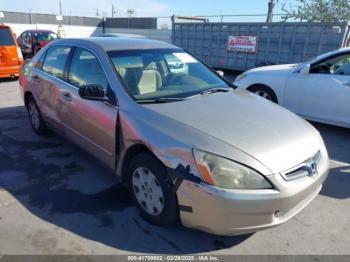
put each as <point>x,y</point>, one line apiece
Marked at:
<point>190,147</point>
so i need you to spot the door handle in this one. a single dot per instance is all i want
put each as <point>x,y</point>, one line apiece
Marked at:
<point>346,84</point>
<point>66,96</point>
<point>35,77</point>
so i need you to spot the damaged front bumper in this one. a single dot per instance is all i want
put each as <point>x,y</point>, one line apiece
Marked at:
<point>234,212</point>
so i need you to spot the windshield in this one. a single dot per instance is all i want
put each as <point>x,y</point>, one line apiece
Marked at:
<point>45,36</point>
<point>163,73</point>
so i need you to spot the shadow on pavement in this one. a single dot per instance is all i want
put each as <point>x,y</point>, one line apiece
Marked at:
<point>337,140</point>
<point>337,184</point>
<point>64,186</point>
<point>8,80</point>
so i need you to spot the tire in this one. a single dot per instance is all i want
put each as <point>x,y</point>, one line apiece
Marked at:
<point>153,194</point>
<point>264,91</point>
<point>36,121</point>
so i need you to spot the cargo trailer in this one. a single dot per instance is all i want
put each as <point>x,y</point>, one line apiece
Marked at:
<point>242,46</point>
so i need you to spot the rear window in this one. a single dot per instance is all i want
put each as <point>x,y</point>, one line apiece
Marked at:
<point>6,38</point>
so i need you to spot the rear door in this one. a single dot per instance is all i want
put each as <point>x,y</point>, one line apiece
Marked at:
<point>8,48</point>
<point>48,78</point>
<point>91,124</point>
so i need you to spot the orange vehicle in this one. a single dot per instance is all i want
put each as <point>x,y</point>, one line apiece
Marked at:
<point>11,58</point>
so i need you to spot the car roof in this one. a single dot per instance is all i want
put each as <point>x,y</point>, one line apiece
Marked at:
<point>331,53</point>
<point>120,35</point>
<point>344,49</point>
<point>4,26</point>
<point>39,31</point>
<point>120,43</point>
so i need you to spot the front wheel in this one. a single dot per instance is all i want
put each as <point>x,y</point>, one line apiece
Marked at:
<point>264,91</point>
<point>152,192</point>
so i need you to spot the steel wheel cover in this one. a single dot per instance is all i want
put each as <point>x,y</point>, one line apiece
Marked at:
<point>148,191</point>
<point>263,94</point>
<point>34,115</point>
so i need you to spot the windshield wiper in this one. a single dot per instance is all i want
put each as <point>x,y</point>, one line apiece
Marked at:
<point>160,100</point>
<point>215,90</point>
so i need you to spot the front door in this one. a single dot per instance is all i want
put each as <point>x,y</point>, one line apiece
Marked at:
<point>91,124</point>
<point>324,93</point>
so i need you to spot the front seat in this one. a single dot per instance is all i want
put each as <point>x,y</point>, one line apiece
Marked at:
<point>132,79</point>
<point>150,80</point>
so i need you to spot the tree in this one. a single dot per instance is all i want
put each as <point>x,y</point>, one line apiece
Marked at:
<point>318,11</point>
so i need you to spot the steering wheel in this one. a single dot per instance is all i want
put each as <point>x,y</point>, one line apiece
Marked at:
<point>325,68</point>
<point>174,79</point>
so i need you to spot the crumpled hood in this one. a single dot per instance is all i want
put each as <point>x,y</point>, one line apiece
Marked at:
<point>274,136</point>
<point>274,68</point>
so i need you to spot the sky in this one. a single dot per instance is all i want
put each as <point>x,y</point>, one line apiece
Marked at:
<point>154,8</point>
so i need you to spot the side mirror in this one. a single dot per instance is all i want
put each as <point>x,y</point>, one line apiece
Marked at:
<point>305,70</point>
<point>220,73</point>
<point>93,92</point>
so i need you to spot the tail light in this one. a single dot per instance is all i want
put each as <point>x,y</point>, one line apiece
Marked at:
<point>19,54</point>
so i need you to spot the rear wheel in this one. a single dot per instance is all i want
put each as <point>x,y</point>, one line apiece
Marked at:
<point>264,91</point>
<point>152,192</point>
<point>35,118</point>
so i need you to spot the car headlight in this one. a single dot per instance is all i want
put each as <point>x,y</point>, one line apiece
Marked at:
<point>240,77</point>
<point>224,173</point>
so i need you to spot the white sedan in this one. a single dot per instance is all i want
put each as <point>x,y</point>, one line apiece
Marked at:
<point>318,90</point>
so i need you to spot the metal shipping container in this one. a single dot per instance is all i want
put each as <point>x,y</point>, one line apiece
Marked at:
<point>273,43</point>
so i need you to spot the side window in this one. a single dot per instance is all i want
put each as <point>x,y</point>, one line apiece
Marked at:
<point>339,65</point>
<point>85,69</point>
<point>40,62</point>
<point>24,36</point>
<point>29,36</point>
<point>55,61</point>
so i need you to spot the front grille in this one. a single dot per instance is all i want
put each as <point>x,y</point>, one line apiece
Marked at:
<point>307,168</point>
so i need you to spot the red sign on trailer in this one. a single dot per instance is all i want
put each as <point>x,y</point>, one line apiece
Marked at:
<point>245,44</point>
